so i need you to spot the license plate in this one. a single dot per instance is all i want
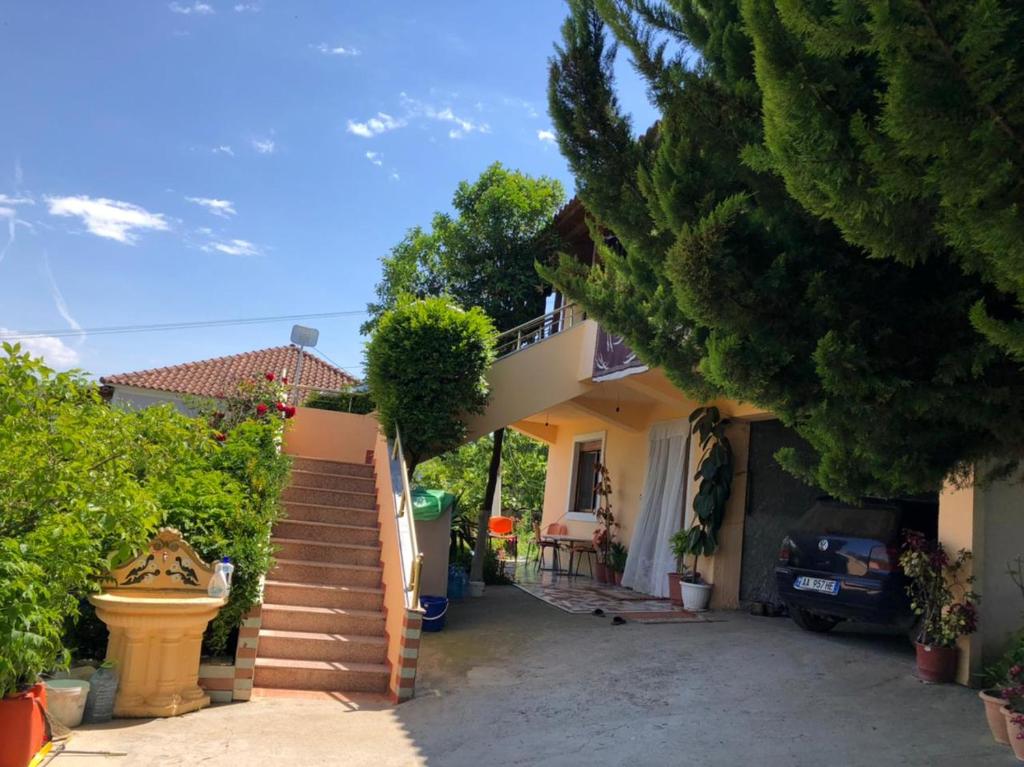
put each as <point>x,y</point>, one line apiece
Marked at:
<point>821,585</point>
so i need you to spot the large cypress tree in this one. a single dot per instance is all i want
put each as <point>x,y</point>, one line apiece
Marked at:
<point>721,277</point>
<point>902,122</point>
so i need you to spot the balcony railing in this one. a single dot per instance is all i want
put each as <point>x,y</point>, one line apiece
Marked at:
<point>539,329</point>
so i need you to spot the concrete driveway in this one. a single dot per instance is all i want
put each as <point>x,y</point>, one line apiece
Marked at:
<point>513,681</point>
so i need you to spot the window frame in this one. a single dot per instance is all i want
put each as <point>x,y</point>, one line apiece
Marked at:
<point>572,514</point>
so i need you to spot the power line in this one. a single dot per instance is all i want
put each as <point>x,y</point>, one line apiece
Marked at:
<point>118,329</point>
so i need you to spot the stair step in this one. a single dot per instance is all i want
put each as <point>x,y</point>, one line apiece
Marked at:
<point>288,674</point>
<point>303,530</point>
<point>329,620</point>
<point>324,551</point>
<point>331,573</point>
<point>313,645</point>
<point>322,497</point>
<point>281,591</point>
<point>332,481</point>
<point>335,515</point>
<point>302,463</point>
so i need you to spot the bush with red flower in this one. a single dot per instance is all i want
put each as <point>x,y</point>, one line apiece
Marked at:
<point>939,590</point>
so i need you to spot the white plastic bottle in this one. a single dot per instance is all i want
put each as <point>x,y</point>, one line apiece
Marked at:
<point>219,586</point>
<point>229,570</point>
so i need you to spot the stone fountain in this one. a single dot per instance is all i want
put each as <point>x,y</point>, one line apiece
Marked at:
<point>157,609</point>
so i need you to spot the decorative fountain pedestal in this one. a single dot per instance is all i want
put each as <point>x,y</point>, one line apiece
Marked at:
<point>157,609</point>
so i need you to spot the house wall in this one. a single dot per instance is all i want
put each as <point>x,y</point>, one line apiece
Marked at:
<point>137,399</point>
<point>331,436</point>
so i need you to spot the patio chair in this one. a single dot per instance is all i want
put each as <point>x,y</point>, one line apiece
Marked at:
<point>503,529</point>
<point>582,551</point>
<point>554,528</point>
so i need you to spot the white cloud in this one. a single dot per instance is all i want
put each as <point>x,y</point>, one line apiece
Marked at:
<point>547,136</point>
<point>8,200</point>
<point>527,106</point>
<point>112,219</point>
<point>246,7</point>
<point>375,158</point>
<point>199,9</point>
<point>336,50</point>
<point>56,353</point>
<point>394,176</point>
<point>224,149</point>
<point>264,145</point>
<point>462,125</point>
<point>222,208</point>
<point>9,212</point>
<point>233,248</point>
<point>382,123</point>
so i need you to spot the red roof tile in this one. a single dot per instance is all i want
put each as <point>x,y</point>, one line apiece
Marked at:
<point>210,378</point>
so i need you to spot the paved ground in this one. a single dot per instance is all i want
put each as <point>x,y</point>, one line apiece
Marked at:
<point>513,681</point>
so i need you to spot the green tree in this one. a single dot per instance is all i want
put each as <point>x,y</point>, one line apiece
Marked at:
<point>426,366</point>
<point>721,277</point>
<point>903,124</point>
<point>484,255</point>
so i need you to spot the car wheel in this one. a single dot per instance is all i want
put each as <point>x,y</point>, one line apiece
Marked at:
<point>809,621</point>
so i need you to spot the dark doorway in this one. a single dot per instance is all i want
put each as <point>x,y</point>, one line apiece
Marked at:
<point>775,500</point>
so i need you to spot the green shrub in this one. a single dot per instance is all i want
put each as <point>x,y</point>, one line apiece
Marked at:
<point>352,401</point>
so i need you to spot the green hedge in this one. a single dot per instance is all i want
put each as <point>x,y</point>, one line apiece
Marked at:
<point>86,485</point>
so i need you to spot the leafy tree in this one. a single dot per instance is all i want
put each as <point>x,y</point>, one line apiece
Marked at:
<point>925,104</point>
<point>482,256</point>
<point>718,275</point>
<point>426,366</point>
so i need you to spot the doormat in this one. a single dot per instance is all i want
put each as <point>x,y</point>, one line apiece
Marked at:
<point>674,616</point>
<point>623,595</point>
<point>580,598</point>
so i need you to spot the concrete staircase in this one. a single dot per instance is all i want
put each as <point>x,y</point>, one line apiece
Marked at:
<point>323,619</point>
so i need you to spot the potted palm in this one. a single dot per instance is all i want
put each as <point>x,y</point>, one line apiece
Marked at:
<point>940,595</point>
<point>714,473</point>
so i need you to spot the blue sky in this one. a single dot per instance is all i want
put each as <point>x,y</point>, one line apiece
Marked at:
<point>165,162</point>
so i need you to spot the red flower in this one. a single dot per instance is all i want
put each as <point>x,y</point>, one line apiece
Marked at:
<point>289,411</point>
<point>261,409</point>
<point>270,376</point>
<point>220,436</point>
<point>280,407</point>
<point>284,380</point>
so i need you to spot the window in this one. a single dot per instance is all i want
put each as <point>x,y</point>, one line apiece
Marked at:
<point>588,450</point>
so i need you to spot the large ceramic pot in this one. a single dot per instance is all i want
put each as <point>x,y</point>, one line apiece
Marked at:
<point>994,703</point>
<point>675,594</point>
<point>695,596</point>
<point>936,665</point>
<point>22,727</point>
<point>1015,731</point>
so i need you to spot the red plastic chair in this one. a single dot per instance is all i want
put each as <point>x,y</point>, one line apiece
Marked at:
<point>503,529</point>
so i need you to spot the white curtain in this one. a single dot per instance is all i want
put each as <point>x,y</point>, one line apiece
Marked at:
<point>661,509</point>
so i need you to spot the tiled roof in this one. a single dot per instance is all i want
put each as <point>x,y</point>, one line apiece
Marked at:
<point>214,377</point>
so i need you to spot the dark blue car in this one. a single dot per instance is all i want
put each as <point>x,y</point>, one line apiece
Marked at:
<point>841,562</point>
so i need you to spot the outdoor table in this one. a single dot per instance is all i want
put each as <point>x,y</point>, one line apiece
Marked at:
<point>556,565</point>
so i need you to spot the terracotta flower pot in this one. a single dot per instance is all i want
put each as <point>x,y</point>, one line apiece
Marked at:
<point>994,704</point>
<point>936,665</point>
<point>22,728</point>
<point>675,593</point>
<point>1015,731</point>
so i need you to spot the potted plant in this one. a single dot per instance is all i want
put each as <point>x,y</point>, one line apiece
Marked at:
<point>997,676</point>
<point>680,550</point>
<point>604,535</point>
<point>1013,711</point>
<point>941,596</point>
<point>617,561</point>
<point>714,473</point>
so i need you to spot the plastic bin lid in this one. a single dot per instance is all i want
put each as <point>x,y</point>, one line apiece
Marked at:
<point>428,505</point>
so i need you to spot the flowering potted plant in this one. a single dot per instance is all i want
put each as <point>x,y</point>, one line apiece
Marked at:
<point>604,536</point>
<point>1013,693</point>
<point>940,595</point>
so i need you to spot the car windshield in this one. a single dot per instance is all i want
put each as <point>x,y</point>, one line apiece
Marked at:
<point>877,523</point>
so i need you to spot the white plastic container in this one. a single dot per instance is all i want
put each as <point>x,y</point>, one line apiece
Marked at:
<point>65,700</point>
<point>220,583</point>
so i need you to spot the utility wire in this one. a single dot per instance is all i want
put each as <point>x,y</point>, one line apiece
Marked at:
<point>119,329</point>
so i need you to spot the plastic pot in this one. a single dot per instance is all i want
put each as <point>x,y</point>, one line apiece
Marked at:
<point>935,665</point>
<point>22,726</point>
<point>67,700</point>
<point>1015,732</point>
<point>994,704</point>
<point>695,596</point>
